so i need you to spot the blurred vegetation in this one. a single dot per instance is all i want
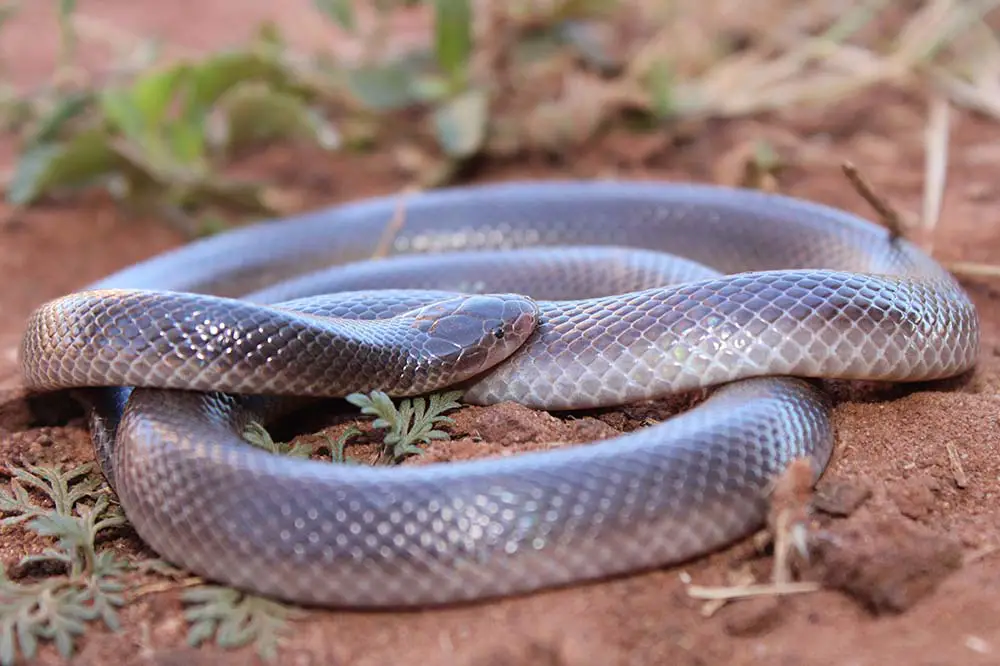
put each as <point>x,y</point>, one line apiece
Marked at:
<point>548,76</point>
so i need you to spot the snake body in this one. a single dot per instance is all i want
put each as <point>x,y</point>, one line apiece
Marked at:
<point>766,290</point>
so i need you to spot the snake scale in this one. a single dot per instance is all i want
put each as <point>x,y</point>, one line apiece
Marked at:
<point>558,295</point>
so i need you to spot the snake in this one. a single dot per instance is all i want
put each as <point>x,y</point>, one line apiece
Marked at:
<point>561,295</point>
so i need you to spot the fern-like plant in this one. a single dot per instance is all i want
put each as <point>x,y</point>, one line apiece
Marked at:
<point>236,619</point>
<point>256,435</point>
<point>412,423</point>
<point>58,608</point>
<point>77,508</point>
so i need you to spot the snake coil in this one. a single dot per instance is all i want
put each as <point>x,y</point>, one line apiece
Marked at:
<point>556,295</point>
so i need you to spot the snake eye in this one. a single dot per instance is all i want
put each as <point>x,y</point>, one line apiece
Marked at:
<point>498,333</point>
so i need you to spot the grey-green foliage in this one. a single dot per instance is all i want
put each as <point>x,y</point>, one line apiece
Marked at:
<point>236,619</point>
<point>58,608</point>
<point>256,435</point>
<point>453,39</point>
<point>158,138</point>
<point>411,424</point>
<point>340,12</point>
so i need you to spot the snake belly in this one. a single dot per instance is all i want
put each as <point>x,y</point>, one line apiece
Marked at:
<point>792,290</point>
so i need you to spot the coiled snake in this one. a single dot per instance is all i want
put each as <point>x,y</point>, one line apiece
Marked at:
<point>573,305</point>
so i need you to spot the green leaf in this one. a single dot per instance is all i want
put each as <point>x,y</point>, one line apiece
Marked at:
<point>50,125</point>
<point>69,530</point>
<point>408,424</point>
<point>337,453</point>
<point>160,567</point>
<point>49,166</point>
<point>453,37</point>
<point>186,144</point>
<point>460,124</point>
<point>382,87</point>
<point>152,94</point>
<point>236,619</point>
<point>63,488</point>
<point>47,556</point>
<point>340,11</point>
<point>256,435</point>
<point>141,113</point>
<point>55,610</point>
<point>660,84</point>
<point>19,503</point>
<point>120,109</point>
<point>253,113</point>
<point>212,78</point>
<point>430,88</point>
<point>32,173</point>
<point>200,631</point>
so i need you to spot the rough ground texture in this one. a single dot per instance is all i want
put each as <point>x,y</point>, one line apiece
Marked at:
<point>904,545</point>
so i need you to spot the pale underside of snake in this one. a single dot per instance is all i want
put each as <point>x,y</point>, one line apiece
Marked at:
<point>557,295</point>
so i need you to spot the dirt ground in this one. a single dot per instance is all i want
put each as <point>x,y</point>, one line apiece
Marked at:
<point>906,548</point>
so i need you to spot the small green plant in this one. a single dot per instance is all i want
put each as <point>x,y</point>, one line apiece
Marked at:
<point>77,509</point>
<point>58,608</point>
<point>256,435</point>
<point>159,139</point>
<point>412,423</point>
<point>236,619</point>
<point>156,136</point>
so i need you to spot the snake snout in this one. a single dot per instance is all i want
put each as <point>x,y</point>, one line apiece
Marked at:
<point>470,334</point>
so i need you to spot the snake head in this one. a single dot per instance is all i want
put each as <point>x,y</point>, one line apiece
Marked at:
<point>468,334</point>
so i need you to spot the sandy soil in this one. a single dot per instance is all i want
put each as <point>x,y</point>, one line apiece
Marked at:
<point>904,547</point>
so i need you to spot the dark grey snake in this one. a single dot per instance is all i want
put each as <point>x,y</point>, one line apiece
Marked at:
<point>802,291</point>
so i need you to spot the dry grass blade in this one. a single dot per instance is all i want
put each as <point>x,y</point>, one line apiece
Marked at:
<point>973,269</point>
<point>787,65</point>
<point>748,591</point>
<point>972,80</point>
<point>936,166</point>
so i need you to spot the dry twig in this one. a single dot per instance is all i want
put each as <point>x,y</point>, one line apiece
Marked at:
<point>888,216</point>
